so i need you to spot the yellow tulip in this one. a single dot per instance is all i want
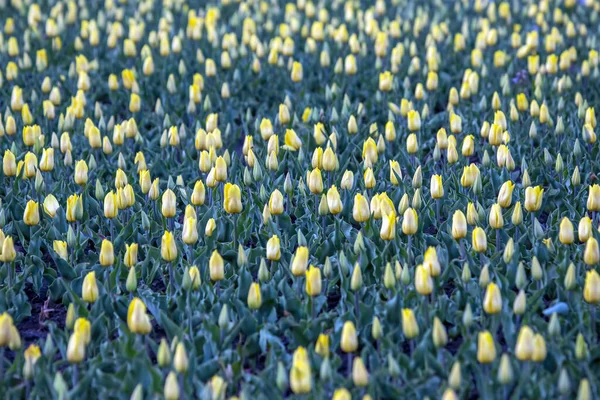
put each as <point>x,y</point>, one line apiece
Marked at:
<point>216,267</point>
<point>107,256</point>
<point>533,198</point>
<point>410,328</point>
<point>300,261</point>
<point>273,248</point>
<point>313,281</point>
<point>31,215</point>
<point>232,203</point>
<point>486,348</point>
<point>168,248</point>
<point>89,290</point>
<point>479,240</point>
<point>254,296</point>
<point>276,203</point>
<point>492,302</point>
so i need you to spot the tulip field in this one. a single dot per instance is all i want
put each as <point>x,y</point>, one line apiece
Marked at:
<point>265,199</point>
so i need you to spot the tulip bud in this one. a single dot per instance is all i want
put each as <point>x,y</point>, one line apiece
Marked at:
<point>486,348</point>
<point>440,337</point>
<point>505,371</point>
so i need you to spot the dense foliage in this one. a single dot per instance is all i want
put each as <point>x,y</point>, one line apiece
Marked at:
<point>306,199</point>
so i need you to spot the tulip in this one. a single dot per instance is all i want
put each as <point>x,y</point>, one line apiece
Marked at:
<point>254,296</point>
<point>414,121</point>
<point>539,348</point>
<point>591,289</point>
<point>8,253</point>
<point>495,219</point>
<point>440,336</point>
<point>313,281</point>
<point>369,178</point>
<point>220,169</point>
<point>9,163</point>
<point>315,181</point>
<point>533,198</point>
<point>131,255</point>
<point>89,290</point>
<point>395,173</point>
<point>423,280</point>
<point>171,389</point>
<point>410,328</point>
<point>300,374</point>
<point>107,256</point>
<point>76,348</point>
<point>505,194</point>
<point>486,348</point>
<point>216,267</point>
<point>431,262</point>
<point>566,234</point>
<point>51,205</point>
<point>169,204</point>
<point>370,152</point>
<point>347,180</point>
<point>300,261</point>
<point>6,330</point>
<point>410,223</point>
<point>292,140</point>
<point>31,215</point>
<point>349,341</point>
<point>584,229</point>
<point>492,302</point>
<point>111,209</point>
<point>469,175</point>
<point>168,249</point>
<point>47,160</point>
<point>459,225</point>
<point>479,240</point>
<point>74,208</point>
<point>60,247</point>
<point>524,346</point>
<point>412,145</point>
<point>137,318</point>
<point>273,248</point>
<point>81,173</point>
<point>180,360</point>
<point>232,203</point>
<point>593,200</point>
<point>322,345</point>
<point>276,203</point>
<point>329,161</point>
<point>385,81</point>
<point>591,254</point>
<point>360,376</point>
<point>190,231</point>
<point>198,194</point>
<point>436,187</point>
<point>210,227</point>
<point>360,210</point>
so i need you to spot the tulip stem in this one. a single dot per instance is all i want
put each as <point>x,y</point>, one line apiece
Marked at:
<point>593,323</point>
<point>235,233</point>
<point>189,253</point>
<point>357,308</point>
<point>2,363</point>
<point>408,250</point>
<point>532,229</point>
<point>312,307</point>
<point>171,279</point>
<point>75,374</point>
<point>10,274</point>
<point>349,355</point>
<point>498,240</point>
